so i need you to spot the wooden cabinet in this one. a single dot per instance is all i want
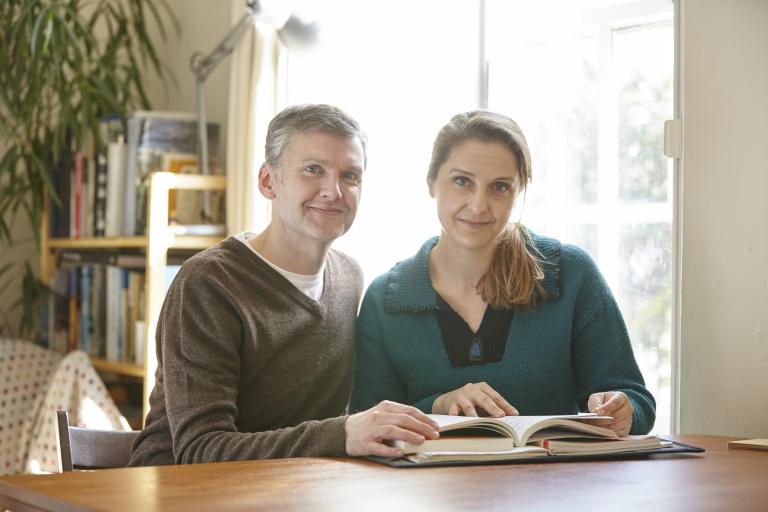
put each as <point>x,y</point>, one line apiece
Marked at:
<point>160,239</point>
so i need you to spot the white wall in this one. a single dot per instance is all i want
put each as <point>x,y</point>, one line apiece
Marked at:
<point>23,250</point>
<point>724,309</point>
<point>203,24</point>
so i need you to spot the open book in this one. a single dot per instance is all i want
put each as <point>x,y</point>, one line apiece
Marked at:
<point>479,439</point>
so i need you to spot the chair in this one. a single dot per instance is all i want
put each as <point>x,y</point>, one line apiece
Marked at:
<point>86,448</point>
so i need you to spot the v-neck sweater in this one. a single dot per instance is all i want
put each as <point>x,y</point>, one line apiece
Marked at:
<point>249,367</point>
<point>467,347</point>
<point>571,345</point>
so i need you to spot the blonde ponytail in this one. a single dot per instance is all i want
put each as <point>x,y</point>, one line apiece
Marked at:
<point>514,279</point>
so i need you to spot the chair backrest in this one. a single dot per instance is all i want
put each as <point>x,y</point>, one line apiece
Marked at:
<point>86,448</point>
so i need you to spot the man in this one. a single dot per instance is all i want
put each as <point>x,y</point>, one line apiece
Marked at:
<point>256,334</point>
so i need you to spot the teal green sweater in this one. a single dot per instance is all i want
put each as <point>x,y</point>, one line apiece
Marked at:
<point>574,344</point>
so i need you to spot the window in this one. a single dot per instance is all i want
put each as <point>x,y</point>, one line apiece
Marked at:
<point>401,71</point>
<point>591,88</point>
<point>589,82</point>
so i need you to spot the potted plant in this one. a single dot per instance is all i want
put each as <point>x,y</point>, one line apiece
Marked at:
<point>63,65</point>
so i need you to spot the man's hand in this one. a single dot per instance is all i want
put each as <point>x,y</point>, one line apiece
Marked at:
<point>469,398</point>
<point>615,404</point>
<point>367,430</point>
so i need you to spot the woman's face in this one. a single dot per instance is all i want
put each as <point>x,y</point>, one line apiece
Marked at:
<point>475,190</point>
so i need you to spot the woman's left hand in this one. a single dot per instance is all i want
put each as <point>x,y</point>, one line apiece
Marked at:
<point>614,404</point>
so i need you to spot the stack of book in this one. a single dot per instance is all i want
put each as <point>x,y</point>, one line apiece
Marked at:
<point>103,187</point>
<point>98,305</point>
<point>467,439</point>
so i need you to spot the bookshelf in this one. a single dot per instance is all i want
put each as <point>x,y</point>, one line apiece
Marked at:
<point>155,246</point>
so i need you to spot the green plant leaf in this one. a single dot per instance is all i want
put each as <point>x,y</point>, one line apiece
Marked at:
<point>48,31</point>
<point>36,31</point>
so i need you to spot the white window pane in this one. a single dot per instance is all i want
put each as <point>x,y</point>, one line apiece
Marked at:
<point>643,63</point>
<point>402,69</point>
<point>590,83</point>
<point>645,295</point>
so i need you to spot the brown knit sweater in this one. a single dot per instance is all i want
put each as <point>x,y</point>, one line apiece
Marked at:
<point>249,367</point>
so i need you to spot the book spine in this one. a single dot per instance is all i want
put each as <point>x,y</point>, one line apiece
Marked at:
<point>71,209</point>
<point>130,179</point>
<point>141,325</point>
<point>73,316</point>
<point>98,311</point>
<point>85,309</point>
<point>125,331</point>
<point>100,197</point>
<point>79,208</point>
<point>141,342</point>
<point>116,193</point>
<point>89,191</point>
<point>113,310</point>
<point>56,215</point>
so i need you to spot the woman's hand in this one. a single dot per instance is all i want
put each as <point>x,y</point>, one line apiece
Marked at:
<point>367,430</point>
<point>615,404</point>
<point>473,400</point>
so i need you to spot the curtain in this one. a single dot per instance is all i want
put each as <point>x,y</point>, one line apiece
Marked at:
<point>256,94</point>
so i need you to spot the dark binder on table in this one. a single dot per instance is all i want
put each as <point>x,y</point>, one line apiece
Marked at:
<point>676,448</point>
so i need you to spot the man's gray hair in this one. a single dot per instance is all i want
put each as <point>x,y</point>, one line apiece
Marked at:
<point>309,117</point>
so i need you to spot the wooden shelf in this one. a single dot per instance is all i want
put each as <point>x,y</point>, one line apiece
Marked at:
<point>129,369</point>
<point>133,242</point>
<point>127,242</point>
<point>155,247</point>
<point>194,242</point>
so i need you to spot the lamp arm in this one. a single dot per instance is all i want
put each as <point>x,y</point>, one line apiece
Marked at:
<point>201,67</point>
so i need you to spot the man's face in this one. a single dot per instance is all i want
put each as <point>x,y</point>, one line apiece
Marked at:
<point>316,190</point>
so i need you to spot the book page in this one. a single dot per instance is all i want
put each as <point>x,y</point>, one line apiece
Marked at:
<point>517,453</point>
<point>603,446</point>
<point>561,426</point>
<point>521,428</point>
<point>495,425</point>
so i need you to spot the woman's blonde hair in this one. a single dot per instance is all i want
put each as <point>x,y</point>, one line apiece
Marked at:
<point>514,279</point>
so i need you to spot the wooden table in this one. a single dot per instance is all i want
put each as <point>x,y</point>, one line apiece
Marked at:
<point>720,479</point>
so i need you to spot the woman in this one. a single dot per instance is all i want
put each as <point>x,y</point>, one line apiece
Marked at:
<point>491,318</point>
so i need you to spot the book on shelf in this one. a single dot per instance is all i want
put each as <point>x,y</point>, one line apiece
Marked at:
<point>59,208</point>
<point>520,437</point>
<point>77,194</point>
<point>102,187</point>
<point>183,200</point>
<point>151,137</point>
<point>110,176</point>
<point>74,317</point>
<point>113,285</point>
<point>99,309</point>
<point>79,181</point>
<point>86,304</point>
<point>100,196</point>
<point>89,189</point>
